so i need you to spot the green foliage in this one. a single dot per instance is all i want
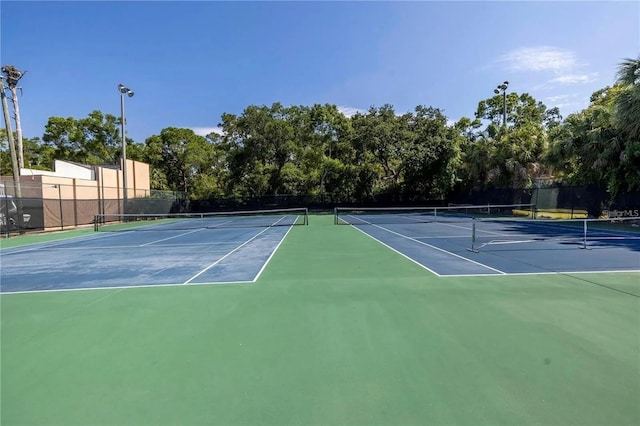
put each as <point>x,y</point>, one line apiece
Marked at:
<point>627,100</point>
<point>627,121</point>
<point>275,150</point>
<point>598,144</point>
<point>414,154</point>
<point>182,161</point>
<point>511,156</point>
<point>286,150</point>
<point>91,140</point>
<point>36,154</point>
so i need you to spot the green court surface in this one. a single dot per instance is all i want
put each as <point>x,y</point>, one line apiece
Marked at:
<point>338,330</point>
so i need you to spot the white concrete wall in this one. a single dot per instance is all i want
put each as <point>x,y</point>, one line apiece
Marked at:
<point>70,170</point>
<point>34,172</point>
<point>62,169</point>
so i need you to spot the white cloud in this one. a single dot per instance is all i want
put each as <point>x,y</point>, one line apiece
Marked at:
<point>575,78</point>
<point>542,86</point>
<point>568,103</point>
<point>555,69</point>
<point>204,131</point>
<point>350,111</point>
<point>543,58</point>
<point>556,98</point>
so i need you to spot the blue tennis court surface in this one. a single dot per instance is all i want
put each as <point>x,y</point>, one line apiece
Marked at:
<point>149,258</point>
<point>217,250</point>
<point>506,247</point>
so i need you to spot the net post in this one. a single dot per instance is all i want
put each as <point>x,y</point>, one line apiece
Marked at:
<point>584,238</point>
<point>95,223</point>
<point>306,216</point>
<point>473,236</point>
<point>435,214</point>
<point>335,215</point>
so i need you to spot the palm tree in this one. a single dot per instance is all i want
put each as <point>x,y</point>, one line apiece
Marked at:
<point>627,104</point>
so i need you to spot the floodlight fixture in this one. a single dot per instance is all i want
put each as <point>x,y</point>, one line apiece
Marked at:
<point>502,88</point>
<point>124,90</point>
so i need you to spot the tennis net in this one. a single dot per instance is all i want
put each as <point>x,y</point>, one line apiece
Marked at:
<point>410,215</point>
<point>510,234</point>
<point>178,221</point>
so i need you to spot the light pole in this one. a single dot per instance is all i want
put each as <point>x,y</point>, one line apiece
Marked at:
<point>124,91</point>
<point>14,157</point>
<point>503,88</point>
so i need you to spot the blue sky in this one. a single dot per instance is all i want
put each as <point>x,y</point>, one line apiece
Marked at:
<point>190,62</point>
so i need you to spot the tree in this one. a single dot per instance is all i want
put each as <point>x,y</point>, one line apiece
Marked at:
<point>627,121</point>
<point>5,156</point>
<point>587,147</point>
<point>36,154</point>
<point>259,145</point>
<point>182,161</point>
<point>511,156</point>
<point>431,159</point>
<point>91,140</point>
<point>627,101</point>
<point>326,142</point>
<point>377,140</point>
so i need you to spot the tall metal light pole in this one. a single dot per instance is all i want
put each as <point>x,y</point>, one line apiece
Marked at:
<point>503,88</point>
<point>14,157</point>
<point>124,91</point>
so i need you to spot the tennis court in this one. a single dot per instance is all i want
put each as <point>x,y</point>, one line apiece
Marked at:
<point>479,240</point>
<point>146,250</point>
<point>336,328</point>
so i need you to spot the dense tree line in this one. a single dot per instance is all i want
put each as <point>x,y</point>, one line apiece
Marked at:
<point>275,150</point>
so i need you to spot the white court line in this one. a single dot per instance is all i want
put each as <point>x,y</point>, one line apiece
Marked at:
<point>271,255</point>
<point>122,287</point>
<point>439,249</point>
<point>46,245</point>
<point>617,271</point>
<point>120,247</point>
<point>399,252</point>
<point>123,246</point>
<point>440,237</point>
<point>501,234</point>
<point>229,254</point>
<point>170,238</point>
<point>466,228</point>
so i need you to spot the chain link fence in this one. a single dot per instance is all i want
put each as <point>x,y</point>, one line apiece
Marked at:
<point>47,207</point>
<point>57,207</point>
